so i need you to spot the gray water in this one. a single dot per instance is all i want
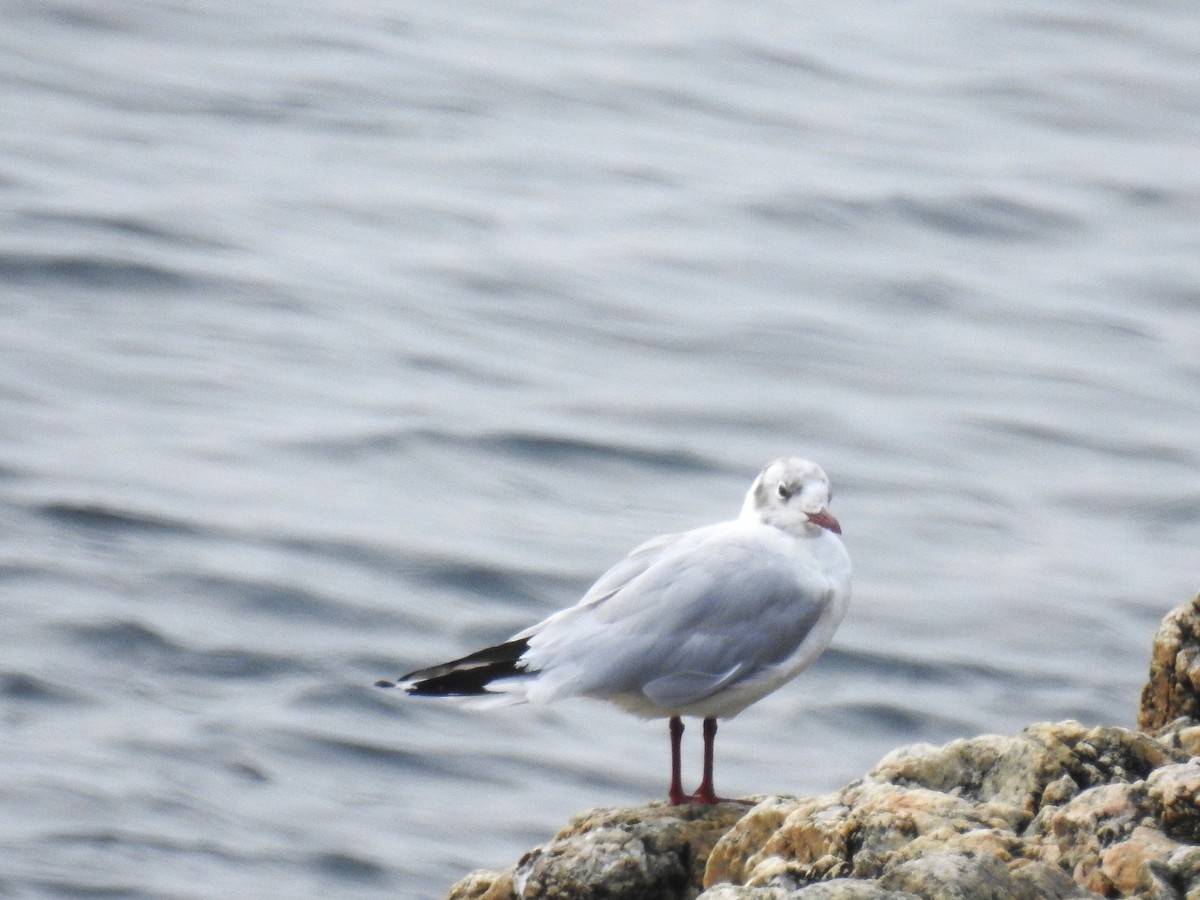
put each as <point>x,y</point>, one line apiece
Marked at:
<point>340,338</point>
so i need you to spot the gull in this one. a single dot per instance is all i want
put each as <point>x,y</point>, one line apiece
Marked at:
<point>699,624</point>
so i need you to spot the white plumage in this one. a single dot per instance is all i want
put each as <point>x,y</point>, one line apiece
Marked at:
<point>701,623</point>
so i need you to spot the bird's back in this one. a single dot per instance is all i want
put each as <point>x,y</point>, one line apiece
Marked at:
<point>701,620</point>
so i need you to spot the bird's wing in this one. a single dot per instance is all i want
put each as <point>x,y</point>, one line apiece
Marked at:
<point>634,564</point>
<point>703,614</point>
<point>683,688</point>
<point>619,575</point>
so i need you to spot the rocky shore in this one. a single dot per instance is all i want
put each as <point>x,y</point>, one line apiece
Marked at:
<point>1059,810</point>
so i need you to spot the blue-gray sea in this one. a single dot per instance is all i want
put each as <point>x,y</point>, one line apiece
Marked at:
<point>340,338</point>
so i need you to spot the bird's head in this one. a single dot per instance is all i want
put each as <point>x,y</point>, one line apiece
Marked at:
<point>792,494</point>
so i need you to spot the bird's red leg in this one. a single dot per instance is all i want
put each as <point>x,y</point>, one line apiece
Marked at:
<point>706,794</point>
<point>675,794</point>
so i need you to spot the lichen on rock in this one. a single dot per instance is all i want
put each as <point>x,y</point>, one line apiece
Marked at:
<point>1059,810</point>
<point>644,851</point>
<point>1173,690</point>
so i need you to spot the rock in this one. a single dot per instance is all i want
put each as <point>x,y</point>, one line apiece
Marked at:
<point>893,825</point>
<point>739,846</point>
<point>1181,734</point>
<point>1059,810</point>
<point>1174,792</point>
<point>950,875</point>
<point>654,851</point>
<point>839,889</point>
<point>812,841</point>
<point>1046,882</point>
<point>1125,864</point>
<point>1173,690</point>
<point>850,889</point>
<point>1072,835</point>
<point>484,886</point>
<point>741,892</point>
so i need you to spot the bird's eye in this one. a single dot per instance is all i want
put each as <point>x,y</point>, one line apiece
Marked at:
<point>784,492</point>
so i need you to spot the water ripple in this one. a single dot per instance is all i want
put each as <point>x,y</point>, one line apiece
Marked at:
<point>356,752</point>
<point>90,271</point>
<point>153,232</point>
<point>30,689</point>
<point>348,867</point>
<point>86,886</point>
<point>1114,446</point>
<point>479,578</point>
<point>976,216</point>
<point>526,445</point>
<point>277,600</point>
<point>133,640</point>
<point>110,519</point>
<point>901,722</point>
<point>907,669</point>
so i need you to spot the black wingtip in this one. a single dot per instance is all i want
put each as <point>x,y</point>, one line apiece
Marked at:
<point>468,676</point>
<point>471,682</point>
<point>507,653</point>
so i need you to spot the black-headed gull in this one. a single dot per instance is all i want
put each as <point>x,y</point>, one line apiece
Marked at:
<point>702,623</point>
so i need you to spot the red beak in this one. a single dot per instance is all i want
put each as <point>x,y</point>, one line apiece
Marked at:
<point>825,520</point>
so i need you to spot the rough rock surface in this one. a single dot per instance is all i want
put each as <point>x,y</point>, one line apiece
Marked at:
<point>1060,810</point>
<point>1173,690</point>
<point>653,851</point>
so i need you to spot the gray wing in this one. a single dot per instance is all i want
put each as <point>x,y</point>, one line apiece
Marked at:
<point>702,615</point>
<point>636,562</point>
